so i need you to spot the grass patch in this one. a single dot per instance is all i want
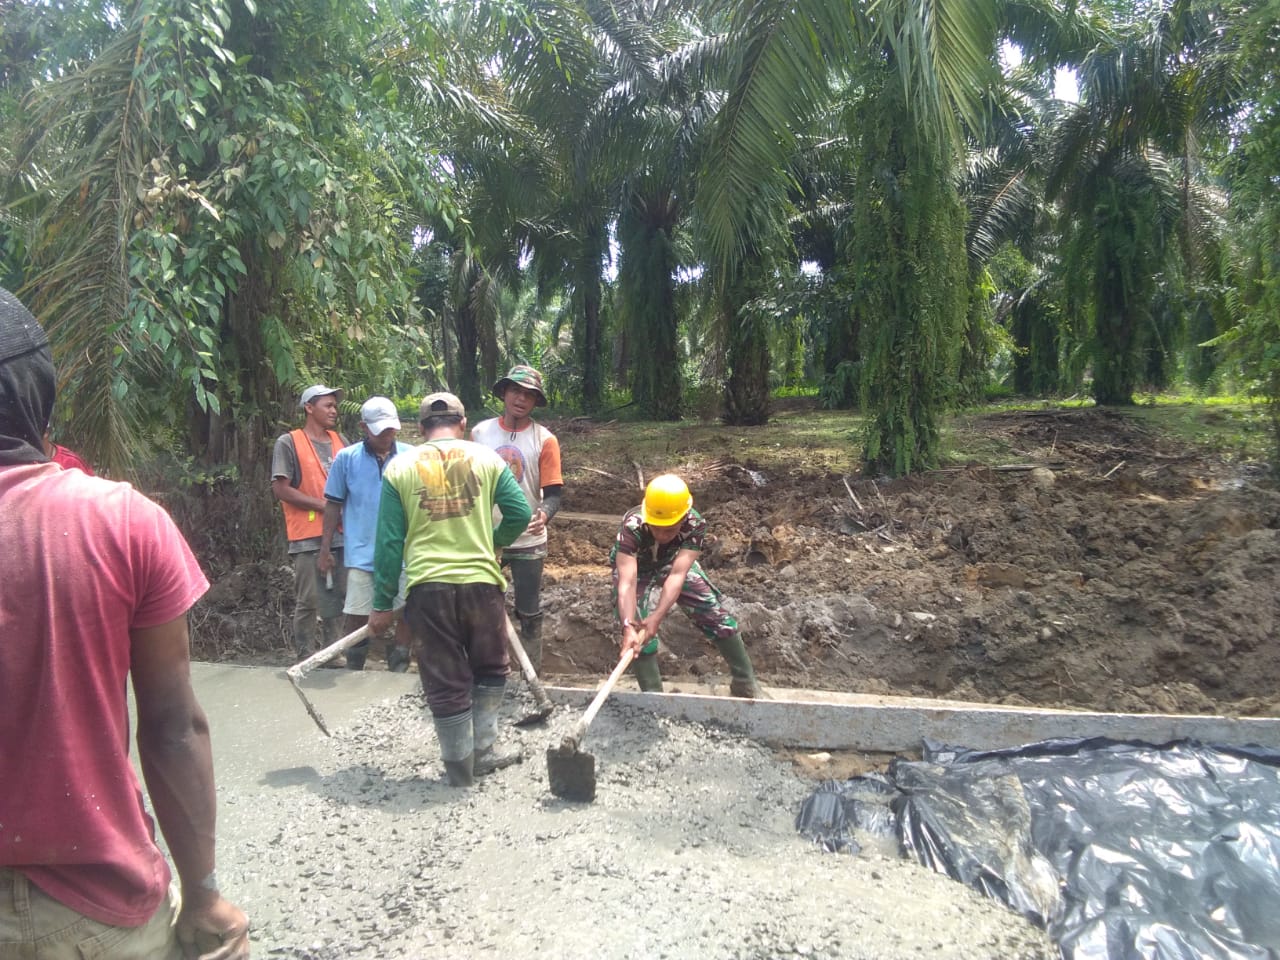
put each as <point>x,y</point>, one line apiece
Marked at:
<point>1228,428</point>
<point>803,437</point>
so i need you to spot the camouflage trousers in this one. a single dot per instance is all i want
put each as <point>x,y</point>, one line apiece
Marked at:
<point>699,599</point>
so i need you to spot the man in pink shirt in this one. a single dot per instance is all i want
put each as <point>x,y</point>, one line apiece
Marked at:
<point>97,585</point>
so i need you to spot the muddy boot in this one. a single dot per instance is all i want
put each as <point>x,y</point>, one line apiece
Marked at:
<point>645,667</point>
<point>398,659</point>
<point>486,702</point>
<point>531,639</point>
<point>742,678</point>
<point>357,655</point>
<point>457,747</point>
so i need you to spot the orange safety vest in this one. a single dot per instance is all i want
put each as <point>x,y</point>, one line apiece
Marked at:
<point>300,524</point>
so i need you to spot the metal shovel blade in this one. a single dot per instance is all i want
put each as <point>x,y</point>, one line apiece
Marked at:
<point>539,715</point>
<point>571,773</point>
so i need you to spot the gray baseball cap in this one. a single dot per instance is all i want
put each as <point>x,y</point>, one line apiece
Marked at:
<point>316,391</point>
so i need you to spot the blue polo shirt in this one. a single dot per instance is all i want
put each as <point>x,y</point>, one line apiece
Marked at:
<point>355,481</point>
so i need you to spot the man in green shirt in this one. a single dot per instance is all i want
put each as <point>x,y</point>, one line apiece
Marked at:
<point>436,515</point>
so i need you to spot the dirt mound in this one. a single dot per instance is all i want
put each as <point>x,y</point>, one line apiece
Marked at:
<point>1103,568</point>
<point>247,616</point>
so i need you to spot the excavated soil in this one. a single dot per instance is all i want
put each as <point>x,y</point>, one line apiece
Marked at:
<point>1125,573</point>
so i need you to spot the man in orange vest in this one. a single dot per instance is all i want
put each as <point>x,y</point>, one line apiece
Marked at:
<point>299,468</point>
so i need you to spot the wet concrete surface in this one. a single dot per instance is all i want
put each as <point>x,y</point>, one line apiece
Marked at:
<point>353,846</point>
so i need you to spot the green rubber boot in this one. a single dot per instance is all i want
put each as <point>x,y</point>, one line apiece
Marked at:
<point>486,702</point>
<point>531,639</point>
<point>457,747</point>
<point>742,678</point>
<point>648,675</point>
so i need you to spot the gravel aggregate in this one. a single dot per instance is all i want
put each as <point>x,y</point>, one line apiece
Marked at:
<point>688,851</point>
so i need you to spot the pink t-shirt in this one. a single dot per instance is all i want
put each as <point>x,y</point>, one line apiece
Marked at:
<point>69,460</point>
<point>84,560</point>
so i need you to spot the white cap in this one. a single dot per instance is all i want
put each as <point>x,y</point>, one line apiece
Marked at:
<point>379,414</point>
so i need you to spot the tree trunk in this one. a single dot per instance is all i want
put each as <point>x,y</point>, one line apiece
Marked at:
<point>1034,329</point>
<point>746,401</point>
<point>589,266</point>
<point>647,288</point>
<point>909,261</point>
<point>468,382</point>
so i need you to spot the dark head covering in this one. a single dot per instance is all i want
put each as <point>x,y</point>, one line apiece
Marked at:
<point>26,384</point>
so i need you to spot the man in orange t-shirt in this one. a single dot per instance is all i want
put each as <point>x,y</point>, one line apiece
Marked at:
<point>533,454</point>
<point>299,468</point>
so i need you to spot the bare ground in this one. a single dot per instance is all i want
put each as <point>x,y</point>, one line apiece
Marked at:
<point>1131,575</point>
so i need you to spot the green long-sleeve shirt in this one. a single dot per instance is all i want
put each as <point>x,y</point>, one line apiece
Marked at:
<point>436,517</point>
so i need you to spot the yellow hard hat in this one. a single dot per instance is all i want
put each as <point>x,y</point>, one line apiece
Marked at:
<point>666,501</point>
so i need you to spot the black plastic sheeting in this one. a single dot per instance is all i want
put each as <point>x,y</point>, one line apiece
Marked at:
<point>1119,849</point>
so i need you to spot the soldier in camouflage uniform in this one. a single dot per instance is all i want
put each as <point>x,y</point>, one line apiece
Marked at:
<point>658,544</point>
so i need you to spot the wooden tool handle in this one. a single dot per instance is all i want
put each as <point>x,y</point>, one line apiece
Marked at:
<point>526,666</point>
<point>300,670</point>
<point>580,729</point>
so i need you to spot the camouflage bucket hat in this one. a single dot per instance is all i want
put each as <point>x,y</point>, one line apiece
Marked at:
<point>522,376</point>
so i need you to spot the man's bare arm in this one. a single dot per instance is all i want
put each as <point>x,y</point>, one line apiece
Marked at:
<point>177,764</point>
<point>285,493</point>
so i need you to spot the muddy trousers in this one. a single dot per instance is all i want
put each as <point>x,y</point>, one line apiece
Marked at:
<point>460,637</point>
<point>312,598</point>
<point>30,918</point>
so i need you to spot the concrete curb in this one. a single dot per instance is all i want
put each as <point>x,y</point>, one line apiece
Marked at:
<point>895,725</point>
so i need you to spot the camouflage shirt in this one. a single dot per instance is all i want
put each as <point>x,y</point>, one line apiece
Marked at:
<point>635,539</point>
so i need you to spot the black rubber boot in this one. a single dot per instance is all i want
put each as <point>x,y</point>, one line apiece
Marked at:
<point>531,639</point>
<point>398,659</point>
<point>457,747</point>
<point>357,655</point>
<point>648,675</point>
<point>742,678</point>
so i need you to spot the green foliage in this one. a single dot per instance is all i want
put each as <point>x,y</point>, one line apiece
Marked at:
<point>841,388</point>
<point>291,180</point>
<point>980,339</point>
<point>240,188</point>
<point>1034,329</point>
<point>1253,297</point>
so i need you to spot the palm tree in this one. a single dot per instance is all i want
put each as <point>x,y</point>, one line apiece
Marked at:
<point>923,70</point>
<point>1126,168</point>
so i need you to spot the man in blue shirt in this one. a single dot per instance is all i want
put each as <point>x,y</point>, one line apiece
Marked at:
<point>352,492</point>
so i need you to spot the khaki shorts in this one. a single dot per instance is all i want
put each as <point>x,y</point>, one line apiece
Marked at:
<point>360,592</point>
<point>29,915</point>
